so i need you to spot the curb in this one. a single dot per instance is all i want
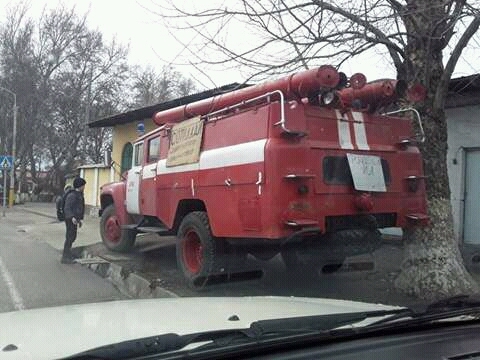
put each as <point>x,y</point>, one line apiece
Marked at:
<point>125,280</point>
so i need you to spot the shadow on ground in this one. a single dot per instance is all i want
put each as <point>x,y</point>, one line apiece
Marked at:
<point>154,259</point>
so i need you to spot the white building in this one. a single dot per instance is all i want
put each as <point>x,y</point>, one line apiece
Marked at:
<point>463,158</point>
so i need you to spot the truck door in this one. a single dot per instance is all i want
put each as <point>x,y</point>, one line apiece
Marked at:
<point>148,189</point>
<point>133,180</point>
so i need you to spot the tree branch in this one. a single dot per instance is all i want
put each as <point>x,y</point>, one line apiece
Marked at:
<point>395,52</point>
<point>441,93</point>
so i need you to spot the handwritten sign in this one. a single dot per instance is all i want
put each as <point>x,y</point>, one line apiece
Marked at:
<point>185,142</point>
<point>367,172</point>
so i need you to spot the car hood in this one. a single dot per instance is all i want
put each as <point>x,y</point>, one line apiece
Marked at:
<point>58,332</point>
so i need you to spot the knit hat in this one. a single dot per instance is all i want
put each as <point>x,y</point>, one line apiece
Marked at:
<point>78,182</point>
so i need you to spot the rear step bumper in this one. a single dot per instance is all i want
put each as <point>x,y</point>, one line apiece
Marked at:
<point>147,229</point>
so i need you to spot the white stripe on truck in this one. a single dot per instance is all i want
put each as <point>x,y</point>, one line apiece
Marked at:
<point>344,137</point>
<point>360,132</point>
<point>240,154</point>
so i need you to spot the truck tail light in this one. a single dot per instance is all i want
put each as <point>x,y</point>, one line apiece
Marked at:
<point>413,182</point>
<point>303,189</point>
<point>418,219</point>
<point>300,179</point>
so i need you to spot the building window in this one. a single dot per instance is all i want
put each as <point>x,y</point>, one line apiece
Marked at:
<point>153,150</point>
<point>127,154</point>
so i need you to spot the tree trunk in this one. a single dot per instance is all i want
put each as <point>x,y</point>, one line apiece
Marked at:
<point>432,267</point>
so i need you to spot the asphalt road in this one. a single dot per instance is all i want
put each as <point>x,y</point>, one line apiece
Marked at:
<point>31,275</point>
<point>367,278</point>
<point>153,259</point>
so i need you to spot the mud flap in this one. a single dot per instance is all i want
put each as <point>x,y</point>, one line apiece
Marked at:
<point>354,242</point>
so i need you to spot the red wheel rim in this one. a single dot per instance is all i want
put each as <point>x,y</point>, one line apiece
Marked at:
<point>112,229</point>
<point>192,252</point>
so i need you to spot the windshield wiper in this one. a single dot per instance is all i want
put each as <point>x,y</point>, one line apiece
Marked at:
<point>456,302</point>
<point>265,332</point>
<point>458,305</point>
<point>258,332</point>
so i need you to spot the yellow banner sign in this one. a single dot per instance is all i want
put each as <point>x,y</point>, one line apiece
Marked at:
<point>185,142</point>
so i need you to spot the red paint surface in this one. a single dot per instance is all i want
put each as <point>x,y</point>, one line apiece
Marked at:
<point>239,207</point>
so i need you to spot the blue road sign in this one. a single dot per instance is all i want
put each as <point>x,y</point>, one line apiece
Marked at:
<point>6,162</point>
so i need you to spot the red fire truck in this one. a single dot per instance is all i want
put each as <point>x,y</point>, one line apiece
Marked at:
<point>309,166</point>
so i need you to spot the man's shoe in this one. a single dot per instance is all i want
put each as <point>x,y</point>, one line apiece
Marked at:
<point>67,260</point>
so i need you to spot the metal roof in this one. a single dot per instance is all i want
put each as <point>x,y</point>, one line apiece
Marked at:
<point>465,83</point>
<point>463,91</point>
<point>149,111</point>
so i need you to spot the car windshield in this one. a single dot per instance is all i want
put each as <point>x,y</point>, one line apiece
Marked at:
<point>247,160</point>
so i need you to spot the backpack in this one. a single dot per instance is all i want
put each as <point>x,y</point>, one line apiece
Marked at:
<point>60,203</point>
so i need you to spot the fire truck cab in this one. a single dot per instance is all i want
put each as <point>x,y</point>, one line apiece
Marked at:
<point>306,166</point>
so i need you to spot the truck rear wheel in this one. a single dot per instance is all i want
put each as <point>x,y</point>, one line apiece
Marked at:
<point>197,249</point>
<point>113,236</point>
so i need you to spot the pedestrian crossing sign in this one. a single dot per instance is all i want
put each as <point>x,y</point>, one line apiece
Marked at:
<point>6,162</point>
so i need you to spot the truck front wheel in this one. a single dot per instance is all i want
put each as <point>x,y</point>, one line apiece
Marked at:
<point>113,236</point>
<point>196,249</point>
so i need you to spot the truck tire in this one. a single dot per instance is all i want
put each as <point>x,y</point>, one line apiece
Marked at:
<point>331,254</point>
<point>113,236</point>
<point>197,250</point>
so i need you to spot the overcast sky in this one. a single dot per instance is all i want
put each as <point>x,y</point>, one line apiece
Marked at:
<point>151,44</point>
<point>131,23</point>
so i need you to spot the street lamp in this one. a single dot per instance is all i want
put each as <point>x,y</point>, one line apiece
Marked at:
<point>12,173</point>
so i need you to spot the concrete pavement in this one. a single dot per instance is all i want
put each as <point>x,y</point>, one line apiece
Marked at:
<point>89,246</point>
<point>53,231</point>
<point>32,275</point>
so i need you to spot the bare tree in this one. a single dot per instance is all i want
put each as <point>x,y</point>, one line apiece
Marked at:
<point>423,40</point>
<point>150,87</point>
<point>64,74</point>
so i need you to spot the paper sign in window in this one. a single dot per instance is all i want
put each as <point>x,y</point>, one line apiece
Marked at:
<point>367,172</point>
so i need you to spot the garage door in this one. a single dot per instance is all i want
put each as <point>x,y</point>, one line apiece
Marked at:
<point>471,219</point>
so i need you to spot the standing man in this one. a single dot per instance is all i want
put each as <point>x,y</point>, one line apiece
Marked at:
<point>74,210</point>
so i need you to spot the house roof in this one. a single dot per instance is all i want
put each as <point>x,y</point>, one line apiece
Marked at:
<point>149,111</point>
<point>464,91</point>
<point>465,83</point>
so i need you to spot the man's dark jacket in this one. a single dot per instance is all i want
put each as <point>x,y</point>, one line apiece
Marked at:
<point>74,205</point>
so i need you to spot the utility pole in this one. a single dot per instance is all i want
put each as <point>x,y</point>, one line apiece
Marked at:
<point>14,148</point>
